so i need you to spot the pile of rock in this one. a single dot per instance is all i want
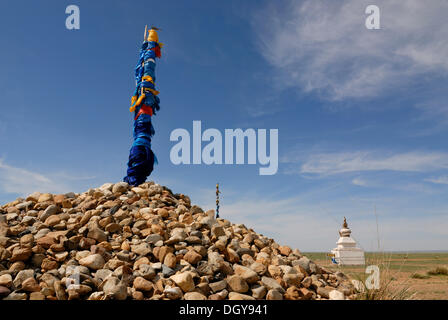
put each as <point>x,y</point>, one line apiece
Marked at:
<point>118,242</point>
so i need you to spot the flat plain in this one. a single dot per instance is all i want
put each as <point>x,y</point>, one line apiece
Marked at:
<point>422,275</point>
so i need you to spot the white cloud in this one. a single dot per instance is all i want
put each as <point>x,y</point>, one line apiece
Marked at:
<point>14,180</point>
<point>324,46</point>
<point>359,182</point>
<point>438,180</point>
<point>334,163</point>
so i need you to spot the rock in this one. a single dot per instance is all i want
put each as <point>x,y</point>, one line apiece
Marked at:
<point>239,296</point>
<point>146,271</point>
<point>145,243</point>
<point>27,241</point>
<point>247,274</point>
<point>258,292</point>
<point>113,227</point>
<point>34,197</point>
<point>293,279</point>
<point>59,290</point>
<point>336,295</point>
<point>272,284</point>
<point>192,257</point>
<point>93,261</point>
<point>4,291</point>
<point>153,238</point>
<point>142,284</point>
<point>20,254</point>
<point>170,260</point>
<point>49,264</point>
<point>306,282</point>
<point>51,221</point>
<point>237,284</point>
<point>137,295</point>
<point>292,293</point>
<point>173,293</point>
<point>6,280</point>
<point>306,294</point>
<point>194,296</point>
<point>141,249</point>
<point>323,292</point>
<point>120,187</point>
<point>97,234</point>
<point>304,262</point>
<point>259,268</point>
<point>30,285</point>
<point>218,286</point>
<point>115,288</point>
<point>167,271</point>
<point>184,281</point>
<point>163,213</point>
<point>51,210</point>
<point>218,231</point>
<point>285,250</point>
<point>37,296</point>
<point>45,197</point>
<point>274,295</point>
<point>16,296</point>
<point>22,276</point>
<point>221,295</point>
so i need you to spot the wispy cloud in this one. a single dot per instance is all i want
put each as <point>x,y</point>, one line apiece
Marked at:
<point>438,180</point>
<point>323,45</point>
<point>15,180</point>
<point>334,163</point>
<point>359,182</point>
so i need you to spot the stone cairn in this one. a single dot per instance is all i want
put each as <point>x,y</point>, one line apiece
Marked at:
<point>146,243</point>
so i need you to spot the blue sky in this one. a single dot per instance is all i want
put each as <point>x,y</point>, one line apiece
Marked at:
<point>362,114</point>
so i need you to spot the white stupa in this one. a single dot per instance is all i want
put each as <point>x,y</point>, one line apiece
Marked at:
<point>347,253</point>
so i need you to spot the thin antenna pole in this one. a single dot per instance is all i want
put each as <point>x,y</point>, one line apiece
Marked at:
<point>377,231</point>
<point>217,200</point>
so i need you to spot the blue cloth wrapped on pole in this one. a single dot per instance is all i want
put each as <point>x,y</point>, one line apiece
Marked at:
<point>144,104</point>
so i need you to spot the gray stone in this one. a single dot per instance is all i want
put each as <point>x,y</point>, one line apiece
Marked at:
<point>173,293</point>
<point>102,274</point>
<point>24,205</point>
<point>22,276</point>
<point>270,283</point>
<point>115,288</point>
<point>304,262</point>
<point>258,292</point>
<point>146,271</point>
<point>41,233</point>
<point>153,238</point>
<point>51,210</point>
<point>167,271</point>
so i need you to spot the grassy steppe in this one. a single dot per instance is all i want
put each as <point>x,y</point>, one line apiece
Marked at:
<point>421,275</point>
